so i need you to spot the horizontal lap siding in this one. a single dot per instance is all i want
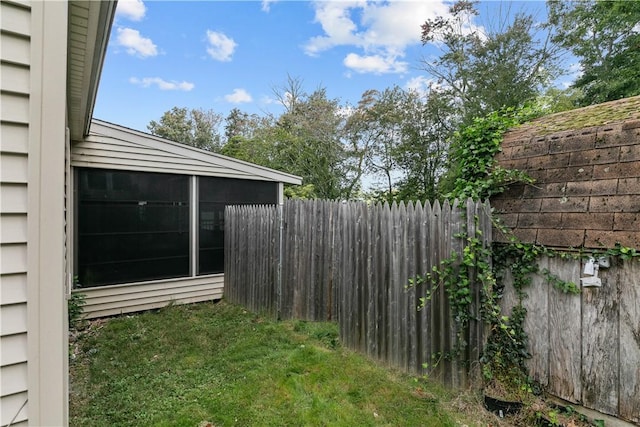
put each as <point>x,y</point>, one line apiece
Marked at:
<point>15,23</point>
<point>111,153</point>
<point>129,298</point>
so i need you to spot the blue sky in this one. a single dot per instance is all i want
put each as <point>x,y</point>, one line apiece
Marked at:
<point>223,54</point>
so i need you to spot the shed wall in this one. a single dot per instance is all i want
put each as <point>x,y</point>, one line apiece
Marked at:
<point>15,60</point>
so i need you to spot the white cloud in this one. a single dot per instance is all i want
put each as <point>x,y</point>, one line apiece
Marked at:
<point>266,5</point>
<point>376,64</point>
<point>335,19</point>
<point>382,30</point>
<point>267,100</point>
<point>220,46</point>
<point>238,96</point>
<point>162,84</point>
<point>131,9</point>
<point>135,43</point>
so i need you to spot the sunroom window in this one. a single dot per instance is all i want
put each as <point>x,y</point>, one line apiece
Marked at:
<point>140,226</point>
<point>213,195</point>
<point>132,226</point>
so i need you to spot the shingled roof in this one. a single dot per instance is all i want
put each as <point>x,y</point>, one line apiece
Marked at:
<point>586,163</point>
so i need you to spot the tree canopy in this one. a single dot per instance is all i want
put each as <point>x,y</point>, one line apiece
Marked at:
<point>195,127</point>
<point>398,144</point>
<point>483,69</point>
<point>605,37</point>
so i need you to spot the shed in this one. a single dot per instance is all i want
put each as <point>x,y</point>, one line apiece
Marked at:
<point>586,163</point>
<point>148,218</point>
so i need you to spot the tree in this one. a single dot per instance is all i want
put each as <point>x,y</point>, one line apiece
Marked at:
<point>247,138</point>
<point>401,139</point>
<point>422,153</point>
<point>605,37</point>
<point>483,69</point>
<point>289,94</point>
<point>196,127</point>
<point>308,142</point>
<point>375,127</point>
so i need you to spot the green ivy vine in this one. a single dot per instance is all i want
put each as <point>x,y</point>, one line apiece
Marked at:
<point>477,176</point>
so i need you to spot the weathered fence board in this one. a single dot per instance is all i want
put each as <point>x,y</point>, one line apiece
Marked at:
<point>352,263</point>
<point>600,361</point>
<point>537,322</point>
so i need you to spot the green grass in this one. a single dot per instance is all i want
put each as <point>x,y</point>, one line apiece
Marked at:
<point>212,363</point>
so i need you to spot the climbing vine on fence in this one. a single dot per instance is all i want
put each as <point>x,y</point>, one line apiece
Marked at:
<point>477,176</point>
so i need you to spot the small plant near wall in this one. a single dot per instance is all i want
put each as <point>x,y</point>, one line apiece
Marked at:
<point>75,306</point>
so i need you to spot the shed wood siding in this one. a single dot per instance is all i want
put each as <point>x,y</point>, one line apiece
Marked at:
<point>15,24</point>
<point>129,298</point>
<point>587,189</point>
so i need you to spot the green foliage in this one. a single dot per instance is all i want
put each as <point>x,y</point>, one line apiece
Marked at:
<point>473,171</point>
<point>622,252</point>
<point>603,36</point>
<point>75,308</point>
<point>488,65</point>
<point>195,127</point>
<point>304,192</point>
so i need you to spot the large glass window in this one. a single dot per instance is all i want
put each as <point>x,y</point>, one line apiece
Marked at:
<point>213,195</point>
<point>136,226</point>
<point>132,226</point>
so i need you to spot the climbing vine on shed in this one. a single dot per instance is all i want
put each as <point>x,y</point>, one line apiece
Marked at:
<point>476,175</point>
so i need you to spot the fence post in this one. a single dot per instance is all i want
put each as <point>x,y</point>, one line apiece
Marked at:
<point>280,257</point>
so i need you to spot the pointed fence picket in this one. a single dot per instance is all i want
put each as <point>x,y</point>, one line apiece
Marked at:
<point>352,263</point>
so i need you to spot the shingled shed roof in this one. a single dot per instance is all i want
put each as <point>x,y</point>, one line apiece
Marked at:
<point>586,164</point>
<point>608,113</point>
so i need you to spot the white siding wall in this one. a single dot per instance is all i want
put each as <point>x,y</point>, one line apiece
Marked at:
<point>47,338</point>
<point>119,299</point>
<point>15,24</point>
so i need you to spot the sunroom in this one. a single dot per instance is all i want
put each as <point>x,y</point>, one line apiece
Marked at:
<point>147,218</point>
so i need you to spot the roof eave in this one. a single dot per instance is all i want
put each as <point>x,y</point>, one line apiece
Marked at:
<point>88,35</point>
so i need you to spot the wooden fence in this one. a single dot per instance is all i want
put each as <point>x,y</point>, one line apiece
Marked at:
<point>351,263</point>
<point>586,348</point>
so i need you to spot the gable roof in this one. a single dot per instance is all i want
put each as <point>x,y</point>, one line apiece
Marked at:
<point>116,147</point>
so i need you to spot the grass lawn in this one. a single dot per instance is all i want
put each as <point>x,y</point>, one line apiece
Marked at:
<point>217,364</point>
